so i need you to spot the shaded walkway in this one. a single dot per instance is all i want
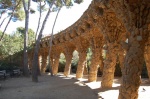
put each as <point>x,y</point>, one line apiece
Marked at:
<point>47,88</point>
<point>61,87</point>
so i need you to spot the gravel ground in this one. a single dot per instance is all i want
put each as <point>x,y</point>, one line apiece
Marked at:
<point>60,87</point>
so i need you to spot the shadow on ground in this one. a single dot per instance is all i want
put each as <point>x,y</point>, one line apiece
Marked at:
<point>61,87</point>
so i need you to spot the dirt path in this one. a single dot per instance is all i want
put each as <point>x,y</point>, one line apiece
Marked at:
<point>60,87</point>
<point>47,88</point>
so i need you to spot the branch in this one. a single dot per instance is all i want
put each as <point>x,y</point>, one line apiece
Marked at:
<point>3,21</point>
<point>51,39</point>
<point>38,22</point>
<point>24,6</point>
<point>9,21</point>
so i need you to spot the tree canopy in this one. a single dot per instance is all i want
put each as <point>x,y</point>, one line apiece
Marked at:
<point>7,7</point>
<point>13,43</point>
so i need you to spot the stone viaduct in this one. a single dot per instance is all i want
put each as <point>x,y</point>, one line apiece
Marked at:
<point>123,26</point>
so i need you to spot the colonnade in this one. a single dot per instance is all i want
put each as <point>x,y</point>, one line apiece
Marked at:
<point>107,24</point>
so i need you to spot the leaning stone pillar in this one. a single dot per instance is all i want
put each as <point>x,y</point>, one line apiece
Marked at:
<point>94,64</point>
<point>121,56</point>
<point>81,64</point>
<point>68,57</point>
<point>109,68</point>
<point>101,64</point>
<point>132,68</point>
<point>56,64</point>
<point>44,63</point>
<point>147,60</point>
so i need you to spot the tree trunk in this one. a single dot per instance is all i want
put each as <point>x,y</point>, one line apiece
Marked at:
<point>50,43</point>
<point>38,22</point>
<point>132,69</point>
<point>81,64</point>
<point>94,64</point>
<point>109,68</point>
<point>25,67</point>
<point>37,45</point>
<point>30,60</point>
<point>4,21</point>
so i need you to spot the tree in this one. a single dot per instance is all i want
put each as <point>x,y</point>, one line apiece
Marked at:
<point>41,8</point>
<point>55,4</point>
<point>26,9</point>
<point>20,32</point>
<point>50,42</point>
<point>35,57</point>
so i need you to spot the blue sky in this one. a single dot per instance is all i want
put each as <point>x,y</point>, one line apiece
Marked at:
<point>66,18</point>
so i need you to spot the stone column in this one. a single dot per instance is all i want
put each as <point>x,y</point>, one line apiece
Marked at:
<point>94,64</point>
<point>44,63</point>
<point>121,56</point>
<point>56,64</point>
<point>39,65</point>
<point>147,60</point>
<point>132,68</point>
<point>109,67</point>
<point>68,56</point>
<point>81,64</point>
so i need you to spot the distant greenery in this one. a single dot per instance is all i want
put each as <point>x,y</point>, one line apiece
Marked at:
<point>11,47</point>
<point>75,59</point>
<point>8,66</point>
<point>13,43</point>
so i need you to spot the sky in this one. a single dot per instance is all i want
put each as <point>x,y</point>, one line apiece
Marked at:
<point>66,18</point>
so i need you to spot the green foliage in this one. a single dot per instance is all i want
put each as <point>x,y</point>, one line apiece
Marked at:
<point>8,66</point>
<point>13,43</point>
<point>62,62</point>
<point>7,7</point>
<point>62,58</point>
<point>75,58</point>
<point>20,32</point>
<point>89,56</point>
<point>58,3</point>
<point>20,15</point>
<point>78,1</point>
